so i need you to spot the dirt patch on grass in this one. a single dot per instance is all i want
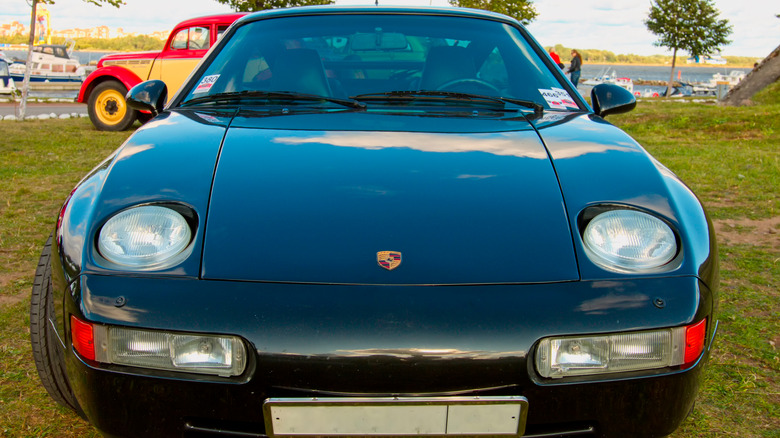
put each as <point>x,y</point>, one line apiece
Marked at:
<point>10,300</point>
<point>6,280</point>
<point>762,232</point>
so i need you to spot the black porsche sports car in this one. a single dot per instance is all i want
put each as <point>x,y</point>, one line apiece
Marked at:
<point>377,221</point>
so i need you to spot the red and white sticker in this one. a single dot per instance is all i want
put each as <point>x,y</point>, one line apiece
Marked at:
<point>558,98</point>
<point>205,84</point>
<point>566,99</point>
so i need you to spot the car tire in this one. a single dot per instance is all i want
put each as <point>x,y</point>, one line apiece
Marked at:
<point>108,109</point>
<point>46,347</point>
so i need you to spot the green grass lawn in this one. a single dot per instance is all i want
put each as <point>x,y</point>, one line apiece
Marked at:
<point>729,156</point>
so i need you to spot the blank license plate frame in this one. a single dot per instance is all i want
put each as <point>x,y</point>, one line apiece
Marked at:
<point>396,416</point>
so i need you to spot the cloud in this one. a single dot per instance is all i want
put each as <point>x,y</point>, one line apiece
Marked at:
<point>614,25</point>
<point>618,25</point>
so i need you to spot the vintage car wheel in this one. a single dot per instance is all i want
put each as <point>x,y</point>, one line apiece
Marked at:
<point>47,354</point>
<point>107,107</point>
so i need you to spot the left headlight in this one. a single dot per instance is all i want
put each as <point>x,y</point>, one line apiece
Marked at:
<point>219,355</point>
<point>144,237</point>
<point>629,240</point>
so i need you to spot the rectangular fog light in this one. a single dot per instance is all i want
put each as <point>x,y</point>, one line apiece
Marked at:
<point>559,357</point>
<point>203,354</point>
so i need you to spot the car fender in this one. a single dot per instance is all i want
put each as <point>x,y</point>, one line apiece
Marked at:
<point>596,163</point>
<point>70,238</point>
<point>126,77</point>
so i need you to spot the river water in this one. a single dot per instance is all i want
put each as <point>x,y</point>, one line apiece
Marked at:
<point>685,73</point>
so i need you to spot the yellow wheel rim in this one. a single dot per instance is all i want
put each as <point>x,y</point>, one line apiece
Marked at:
<point>110,107</point>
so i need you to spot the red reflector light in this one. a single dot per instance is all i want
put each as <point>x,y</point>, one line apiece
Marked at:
<point>83,338</point>
<point>694,341</point>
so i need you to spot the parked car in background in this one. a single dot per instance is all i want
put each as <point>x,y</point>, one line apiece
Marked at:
<point>104,89</point>
<point>377,221</point>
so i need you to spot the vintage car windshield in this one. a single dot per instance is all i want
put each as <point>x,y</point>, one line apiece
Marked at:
<point>343,56</point>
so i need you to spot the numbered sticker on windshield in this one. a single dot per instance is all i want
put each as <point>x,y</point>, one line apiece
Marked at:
<point>558,98</point>
<point>205,84</point>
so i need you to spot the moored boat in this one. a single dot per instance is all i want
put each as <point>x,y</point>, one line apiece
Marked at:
<point>51,63</point>
<point>609,76</point>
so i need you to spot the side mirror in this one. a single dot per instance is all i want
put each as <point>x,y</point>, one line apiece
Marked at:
<point>611,99</point>
<point>148,96</point>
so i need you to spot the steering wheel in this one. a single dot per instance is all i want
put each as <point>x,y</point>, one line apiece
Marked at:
<point>468,85</point>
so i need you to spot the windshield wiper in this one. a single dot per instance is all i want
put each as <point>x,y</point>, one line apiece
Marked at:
<point>447,95</point>
<point>280,95</point>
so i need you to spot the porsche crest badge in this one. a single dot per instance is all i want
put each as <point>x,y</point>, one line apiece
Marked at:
<point>388,259</point>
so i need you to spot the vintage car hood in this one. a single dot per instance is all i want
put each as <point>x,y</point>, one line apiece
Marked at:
<point>465,205</point>
<point>118,57</point>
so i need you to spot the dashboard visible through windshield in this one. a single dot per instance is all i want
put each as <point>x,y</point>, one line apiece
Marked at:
<point>348,56</point>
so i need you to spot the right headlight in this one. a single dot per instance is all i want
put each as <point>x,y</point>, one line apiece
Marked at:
<point>629,240</point>
<point>146,236</point>
<point>595,355</point>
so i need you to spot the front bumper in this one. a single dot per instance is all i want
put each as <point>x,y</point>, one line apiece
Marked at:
<point>342,341</point>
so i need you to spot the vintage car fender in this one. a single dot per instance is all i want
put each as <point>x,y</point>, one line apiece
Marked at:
<point>126,77</point>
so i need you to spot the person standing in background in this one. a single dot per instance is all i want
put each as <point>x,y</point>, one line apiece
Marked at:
<point>575,67</point>
<point>556,59</point>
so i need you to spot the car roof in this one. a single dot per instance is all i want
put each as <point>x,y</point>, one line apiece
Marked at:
<point>211,19</point>
<point>368,9</point>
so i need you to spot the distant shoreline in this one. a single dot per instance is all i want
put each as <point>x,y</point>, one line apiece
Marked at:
<point>638,64</point>
<point>641,64</point>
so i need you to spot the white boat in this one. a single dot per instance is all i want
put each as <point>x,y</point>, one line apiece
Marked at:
<point>712,60</point>
<point>731,79</point>
<point>609,76</point>
<point>51,63</point>
<point>711,87</point>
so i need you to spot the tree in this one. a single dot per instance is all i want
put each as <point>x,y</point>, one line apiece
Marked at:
<point>521,10</point>
<point>34,5</point>
<point>260,5</point>
<point>690,25</point>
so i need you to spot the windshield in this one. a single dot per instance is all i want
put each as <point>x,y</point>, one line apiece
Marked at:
<point>349,56</point>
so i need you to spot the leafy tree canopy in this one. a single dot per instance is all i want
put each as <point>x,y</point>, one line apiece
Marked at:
<point>260,5</point>
<point>690,25</point>
<point>521,10</point>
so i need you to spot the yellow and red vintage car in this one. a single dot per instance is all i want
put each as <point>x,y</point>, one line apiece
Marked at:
<point>104,90</point>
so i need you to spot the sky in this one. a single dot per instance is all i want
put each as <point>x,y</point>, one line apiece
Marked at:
<point>613,25</point>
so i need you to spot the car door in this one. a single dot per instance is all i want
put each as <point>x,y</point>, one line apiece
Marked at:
<point>183,53</point>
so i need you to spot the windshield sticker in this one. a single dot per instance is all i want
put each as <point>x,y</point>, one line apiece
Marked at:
<point>205,84</point>
<point>552,99</point>
<point>565,98</point>
<point>558,98</point>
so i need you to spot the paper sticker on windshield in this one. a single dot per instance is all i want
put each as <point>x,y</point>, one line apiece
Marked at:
<point>205,84</point>
<point>552,99</point>
<point>565,98</point>
<point>557,98</point>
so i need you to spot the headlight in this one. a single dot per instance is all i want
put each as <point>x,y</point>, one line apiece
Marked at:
<point>144,237</point>
<point>622,352</point>
<point>218,355</point>
<point>629,240</point>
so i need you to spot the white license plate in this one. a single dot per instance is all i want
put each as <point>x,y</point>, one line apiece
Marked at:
<point>396,416</point>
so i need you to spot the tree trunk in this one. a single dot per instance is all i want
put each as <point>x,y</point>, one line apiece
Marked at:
<point>671,75</point>
<point>28,65</point>
<point>765,73</point>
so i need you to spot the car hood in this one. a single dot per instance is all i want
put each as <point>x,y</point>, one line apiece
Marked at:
<point>455,203</point>
<point>151,54</point>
